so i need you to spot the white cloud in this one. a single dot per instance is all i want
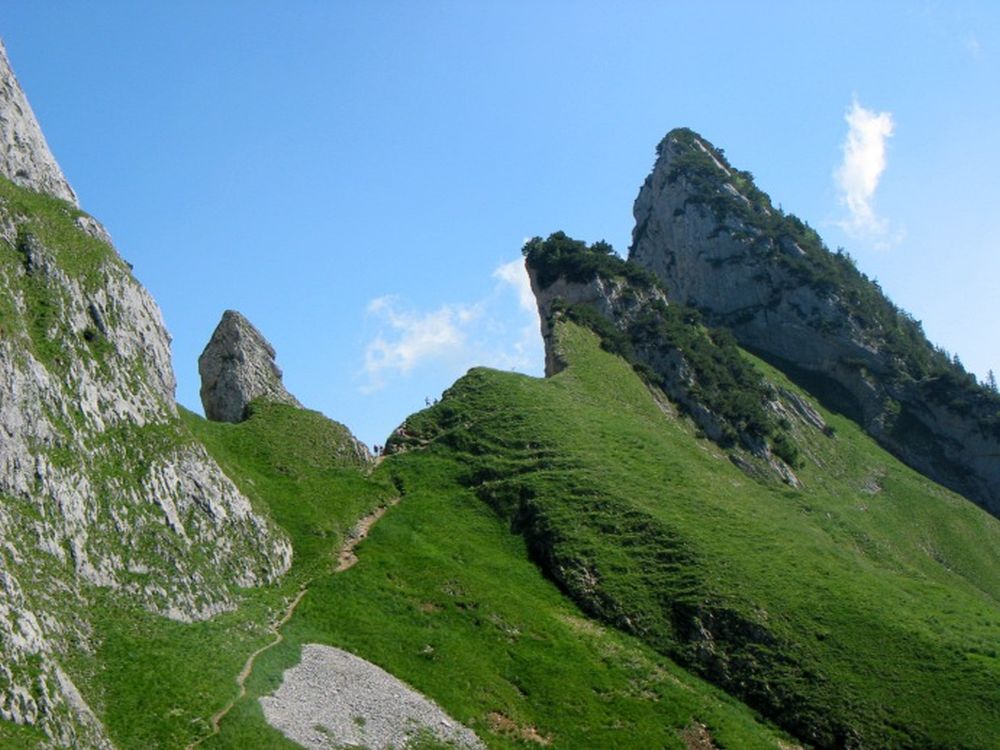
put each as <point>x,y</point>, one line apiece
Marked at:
<point>858,175</point>
<point>973,47</point>
<point>492,332</point>
<point>516,275</point>
<point>414,337</point>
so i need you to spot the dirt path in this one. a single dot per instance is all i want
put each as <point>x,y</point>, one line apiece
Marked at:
<point>345,559</point>
<point>241,678</point>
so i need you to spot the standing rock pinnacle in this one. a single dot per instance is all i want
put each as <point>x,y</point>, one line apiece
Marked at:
<point>236,367</point>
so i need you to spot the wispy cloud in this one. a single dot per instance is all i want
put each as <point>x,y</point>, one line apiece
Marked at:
<point>516,275</point>
<point>412,337</point>
<point>491,332</point>
<point>859,173</point>
<point>973,47</point>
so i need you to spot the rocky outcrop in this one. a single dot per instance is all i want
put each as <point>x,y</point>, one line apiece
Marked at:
<point>236,367</point>
<point>24,155</point>
<point>101,485</point>
<point>637,322</point>
<point>612,298</point>
<point>718,244</point>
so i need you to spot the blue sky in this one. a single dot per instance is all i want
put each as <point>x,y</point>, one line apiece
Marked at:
<point>358,178</point>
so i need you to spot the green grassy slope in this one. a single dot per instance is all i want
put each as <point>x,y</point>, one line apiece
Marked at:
<point>155,682</point>
<point>861,610</point>
<point>446,598</point>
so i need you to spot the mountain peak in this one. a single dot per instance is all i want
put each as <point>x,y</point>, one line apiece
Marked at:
<point>25,157</point>
<point>236,367</point>
<point>718,244</point>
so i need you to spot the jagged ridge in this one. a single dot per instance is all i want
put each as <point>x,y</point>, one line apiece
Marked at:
<point>700,370</point>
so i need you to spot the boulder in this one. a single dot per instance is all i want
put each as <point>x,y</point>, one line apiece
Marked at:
<point>237,367</point>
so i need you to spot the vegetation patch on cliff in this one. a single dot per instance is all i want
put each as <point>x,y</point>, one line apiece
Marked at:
<point>667,345</point>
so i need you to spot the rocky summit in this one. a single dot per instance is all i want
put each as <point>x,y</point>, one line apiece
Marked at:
<point>24,155</point>
<point>718,244</point>
<point>236,367</point>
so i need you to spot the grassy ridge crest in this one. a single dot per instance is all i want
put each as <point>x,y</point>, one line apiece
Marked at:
<point>837,611</point>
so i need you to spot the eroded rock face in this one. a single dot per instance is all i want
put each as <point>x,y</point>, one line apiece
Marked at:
<point>101,485</point>
<point>236,367</point>
<point>613,298</point>
<point>718,244</point>
<point>24,155</point>
<point>621,303</point>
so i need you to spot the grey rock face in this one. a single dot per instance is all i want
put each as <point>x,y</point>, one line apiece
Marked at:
<point>710,256</point>
<point>101,485</point>
<point>612,298</point>
<point>236,367</point>
<point>24,155</point>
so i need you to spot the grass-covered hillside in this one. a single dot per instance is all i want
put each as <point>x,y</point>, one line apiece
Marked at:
<point>570,566</point>
<point>563,563</point>
<point>861,610</point>
<point>444,596</point>
<point>154,682</point>
<point>447,599</point>
<point>701,370</point>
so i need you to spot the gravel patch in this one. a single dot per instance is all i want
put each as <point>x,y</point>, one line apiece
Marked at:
<point>334,699</point>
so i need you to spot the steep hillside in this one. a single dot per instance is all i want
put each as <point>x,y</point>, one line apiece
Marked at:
<point>103,491</point>
<point>860,610</point>
<point>701,371</point>
<point>665,543</point>
<point>718,244</point>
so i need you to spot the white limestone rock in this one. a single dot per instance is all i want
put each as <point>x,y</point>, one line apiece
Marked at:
<point>24,154</point>
<point>101,485</point>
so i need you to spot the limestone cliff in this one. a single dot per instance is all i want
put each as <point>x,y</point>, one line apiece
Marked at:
<point>612,298</point>
<point>101,486</point>
<point>24,155</point>
<point>718,244</point>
